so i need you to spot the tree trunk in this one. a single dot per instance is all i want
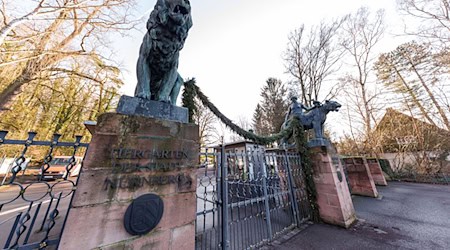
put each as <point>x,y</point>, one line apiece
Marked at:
<point>431,95</point>
<point>414,97</point>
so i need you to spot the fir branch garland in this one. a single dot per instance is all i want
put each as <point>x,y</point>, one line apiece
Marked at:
<point>302,149</point>
<point>264,140</point>
<point>188,99</point>
<point>294,128</point>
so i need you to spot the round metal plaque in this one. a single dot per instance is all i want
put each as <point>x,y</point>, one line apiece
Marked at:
<point>143,214</point>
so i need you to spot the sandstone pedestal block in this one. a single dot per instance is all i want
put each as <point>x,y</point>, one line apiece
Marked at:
<point>376,172</point>
<point>130,156</point>
<point>359,177</point>
<point>333,197</point>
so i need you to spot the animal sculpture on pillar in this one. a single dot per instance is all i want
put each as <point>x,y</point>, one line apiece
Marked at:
<point>157,66</point>
<point>314,118</point>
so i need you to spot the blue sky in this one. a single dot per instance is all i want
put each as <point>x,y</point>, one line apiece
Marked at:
<point>235,45</point>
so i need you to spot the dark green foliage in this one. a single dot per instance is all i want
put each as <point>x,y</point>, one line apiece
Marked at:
<point>303,150</point>
<point>269,113</point>
<point>188,99</point>
<point>258,119</point>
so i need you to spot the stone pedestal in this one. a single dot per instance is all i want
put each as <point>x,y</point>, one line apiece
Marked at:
<point>130,156</point>
<point>376,172</point>
<point>333,197</point>
<point>359,177</point>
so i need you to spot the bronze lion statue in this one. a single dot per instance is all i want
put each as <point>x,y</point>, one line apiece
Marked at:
<point>167,29</point>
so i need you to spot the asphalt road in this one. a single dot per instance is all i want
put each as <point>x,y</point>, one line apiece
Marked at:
<point>40,195</point>
<point>408,216</point>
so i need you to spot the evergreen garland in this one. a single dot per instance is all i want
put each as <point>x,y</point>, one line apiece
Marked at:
<point>294,128</point>
<point>188,99</point>
<point>301,143</point>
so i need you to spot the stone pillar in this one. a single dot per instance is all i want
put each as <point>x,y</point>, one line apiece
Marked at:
<point>333,197</point>
<point>376,172</point>
<point>359,177</point>
<point>128,157</point>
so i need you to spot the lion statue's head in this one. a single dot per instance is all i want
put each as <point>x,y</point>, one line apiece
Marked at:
<point>177,12</point>
<point>332,105</point>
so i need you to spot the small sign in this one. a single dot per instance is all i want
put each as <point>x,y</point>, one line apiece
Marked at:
<point>143,214</point>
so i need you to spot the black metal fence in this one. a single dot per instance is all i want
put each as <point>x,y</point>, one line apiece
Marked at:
<point>262,196</point>
<point>33,209</point>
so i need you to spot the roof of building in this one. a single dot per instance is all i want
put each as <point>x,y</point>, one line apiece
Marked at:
<point>396,128</point>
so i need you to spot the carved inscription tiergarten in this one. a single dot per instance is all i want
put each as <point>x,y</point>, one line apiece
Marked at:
<point>129,153</point>
<point>164,160</point>
<point>128,160</point>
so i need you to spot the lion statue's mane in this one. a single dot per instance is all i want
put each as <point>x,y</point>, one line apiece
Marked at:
<point>167,29</point>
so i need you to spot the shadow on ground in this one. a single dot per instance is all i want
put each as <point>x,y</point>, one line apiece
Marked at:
<point>406,216</point>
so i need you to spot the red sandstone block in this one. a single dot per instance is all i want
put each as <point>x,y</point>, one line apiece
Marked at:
<point>183,237</point>
<point>326,168</point>
<point>89,189</point>
<point>168,189</point>
<point>96,186</point>
<point>126,194</point>
<point>326,188</point>
<point>153,240</point>
<point>343,223</point>
<point>326,178</point>
<point>94,226</point>
<point>325,158</point>
<point>179,210</point>
<point>98,155</point>
<point>350,168</point>
<point>335,204</point>
<point>375,168</point>
<point>322,199</point>
<point>333,200</point>
<point>117,123</point>
<point>330,211</point>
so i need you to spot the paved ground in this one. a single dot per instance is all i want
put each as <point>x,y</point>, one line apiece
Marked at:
<point>408,216</point>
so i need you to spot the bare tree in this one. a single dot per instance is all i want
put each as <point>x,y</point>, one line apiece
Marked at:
<point>206,122</point>
<point>313,55</point>
<point>362,32</point>
<point>45,48</point>
<point>433,15</point>
<point>245,124</point>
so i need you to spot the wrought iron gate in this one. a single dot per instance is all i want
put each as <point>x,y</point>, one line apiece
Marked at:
<point>33,210</point>
<point>262,195</point>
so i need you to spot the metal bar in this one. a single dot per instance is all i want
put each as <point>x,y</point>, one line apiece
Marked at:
<point>71,200</point>
<point>44,143</point>
<point>46,214</point>
<point>37,245</point>
<point>291,189</point>
<point>266,199</point>
<point>254,207</point>
<point>32,223</point>
<point>13,229</point>
<point>52,221</point>
<point>205,199</point>
<point>218,173</point>
<point>259,199</point>
<point>224,196</point>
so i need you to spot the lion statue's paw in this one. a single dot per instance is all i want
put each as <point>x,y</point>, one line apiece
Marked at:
<point>143,95</point>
